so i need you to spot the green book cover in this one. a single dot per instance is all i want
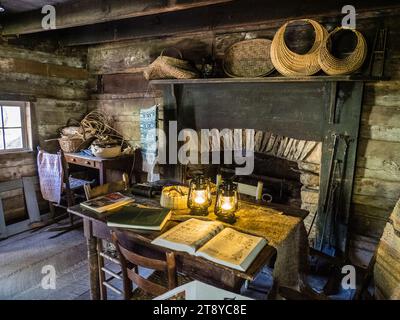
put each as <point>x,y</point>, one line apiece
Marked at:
<point>139,218</point>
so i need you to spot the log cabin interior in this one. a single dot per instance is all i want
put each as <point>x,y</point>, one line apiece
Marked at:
<point>195,150</point>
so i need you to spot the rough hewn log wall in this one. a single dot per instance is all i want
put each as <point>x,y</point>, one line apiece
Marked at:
<point>377,183</point>
<point>58,84</point>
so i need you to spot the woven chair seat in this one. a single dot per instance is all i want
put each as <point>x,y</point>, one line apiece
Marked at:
<point>160,278</point>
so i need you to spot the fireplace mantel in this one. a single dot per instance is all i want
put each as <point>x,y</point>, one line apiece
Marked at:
<point>316,108</point>
<point>266,79</point>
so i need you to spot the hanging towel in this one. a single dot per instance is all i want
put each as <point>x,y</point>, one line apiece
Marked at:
<point>50,176</point>
<point>148,141</point>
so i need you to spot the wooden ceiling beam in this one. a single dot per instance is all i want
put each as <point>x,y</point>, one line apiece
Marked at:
<point>16,65</point>
<point>88,12</point>
<point>217,19</point>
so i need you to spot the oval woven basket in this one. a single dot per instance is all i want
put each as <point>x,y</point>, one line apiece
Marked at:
<point>70,144</point>
<point>165,67</point>
<point>249,58</point>
<point>351,63</point>
<point>289,63</point>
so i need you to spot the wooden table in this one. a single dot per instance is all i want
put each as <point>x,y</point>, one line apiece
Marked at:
<point>123,163</point>
<point>95,228</point>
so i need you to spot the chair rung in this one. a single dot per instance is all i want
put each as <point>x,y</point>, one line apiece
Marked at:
<point>108,257</point>
<point>57,205</point>
<point>111,273</point>
<point>111,287</point>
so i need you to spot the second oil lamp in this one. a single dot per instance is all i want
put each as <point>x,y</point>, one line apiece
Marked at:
<point>227,202</point>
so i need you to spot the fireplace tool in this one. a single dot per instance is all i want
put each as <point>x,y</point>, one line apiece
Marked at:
<point>333,196</point>
<point>323,204</point>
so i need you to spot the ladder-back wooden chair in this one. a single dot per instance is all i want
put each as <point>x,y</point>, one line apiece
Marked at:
<point>164,278</point>
<point>69,194</point>
<point>248,189</point>
<point>104,189</point>
<point>383,269</point>
<point>252,191</point>
<point>107,251</point>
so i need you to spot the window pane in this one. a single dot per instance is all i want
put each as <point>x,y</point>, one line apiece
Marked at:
<point>13,138</point>
<point>12,116</point>
<point>1,140</point>
<point>1,119</point>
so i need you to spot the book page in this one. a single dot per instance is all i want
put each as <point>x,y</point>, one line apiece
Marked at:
<point>233,249</point>
<point>189,235</point>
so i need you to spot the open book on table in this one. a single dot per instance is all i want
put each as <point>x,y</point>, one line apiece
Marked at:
<point>213,241</point>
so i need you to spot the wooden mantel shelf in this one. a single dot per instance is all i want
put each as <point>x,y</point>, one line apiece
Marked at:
<point>264,80</point>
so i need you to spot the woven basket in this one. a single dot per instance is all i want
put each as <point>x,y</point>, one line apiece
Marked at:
<point>70,145</point>
<point>72,130</point>
<point>335,66</point>
<point>249,58</point>
<point>174,197</point>
<point>289,63</point>
<point>165,67</point>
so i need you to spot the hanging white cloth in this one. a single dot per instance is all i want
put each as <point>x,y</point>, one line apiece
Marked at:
<point>50,176</point>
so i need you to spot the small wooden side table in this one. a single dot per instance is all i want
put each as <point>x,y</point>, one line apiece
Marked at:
<point>123,163</point>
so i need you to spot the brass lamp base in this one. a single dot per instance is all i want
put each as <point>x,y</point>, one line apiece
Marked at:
<point>228,218</point>
<point>199,212</point>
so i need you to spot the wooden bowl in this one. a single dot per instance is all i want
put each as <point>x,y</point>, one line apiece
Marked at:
<point>108,152</point>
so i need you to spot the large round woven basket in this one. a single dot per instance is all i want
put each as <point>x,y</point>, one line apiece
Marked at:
<point>249,58</point>
<point>289,63</point>
<point>351,63</point>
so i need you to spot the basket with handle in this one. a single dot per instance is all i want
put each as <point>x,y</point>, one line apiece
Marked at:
<point>70,144</point>
<point>165,67</point>
<point>72,136</point>
<point>72,128</point>
<point>248,58</point>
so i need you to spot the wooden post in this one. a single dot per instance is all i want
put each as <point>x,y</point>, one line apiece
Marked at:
<point>91,243</point>
<point>3,227</point>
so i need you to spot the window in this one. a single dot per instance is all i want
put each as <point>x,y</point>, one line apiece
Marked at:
<point>15,126</point>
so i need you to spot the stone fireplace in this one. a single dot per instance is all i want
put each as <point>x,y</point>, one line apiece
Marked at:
<point>306,135</point>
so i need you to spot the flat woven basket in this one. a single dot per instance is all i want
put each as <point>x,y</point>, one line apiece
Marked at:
<point>351,63</point>
<point>249,58</point>
<point>165,67</point>
<point>291,64</point>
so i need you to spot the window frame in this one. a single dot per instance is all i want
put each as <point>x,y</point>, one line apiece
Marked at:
<point>26,126</point>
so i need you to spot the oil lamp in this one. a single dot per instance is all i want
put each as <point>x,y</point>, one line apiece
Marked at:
<point>226,203</point>
<point>199,198</point>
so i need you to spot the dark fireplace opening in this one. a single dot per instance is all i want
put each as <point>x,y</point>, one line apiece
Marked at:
<point>280,178</point>
<point>288,168</point>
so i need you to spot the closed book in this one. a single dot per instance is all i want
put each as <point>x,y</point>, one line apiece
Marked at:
<point>107,202</point>
<point>134,217</point>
